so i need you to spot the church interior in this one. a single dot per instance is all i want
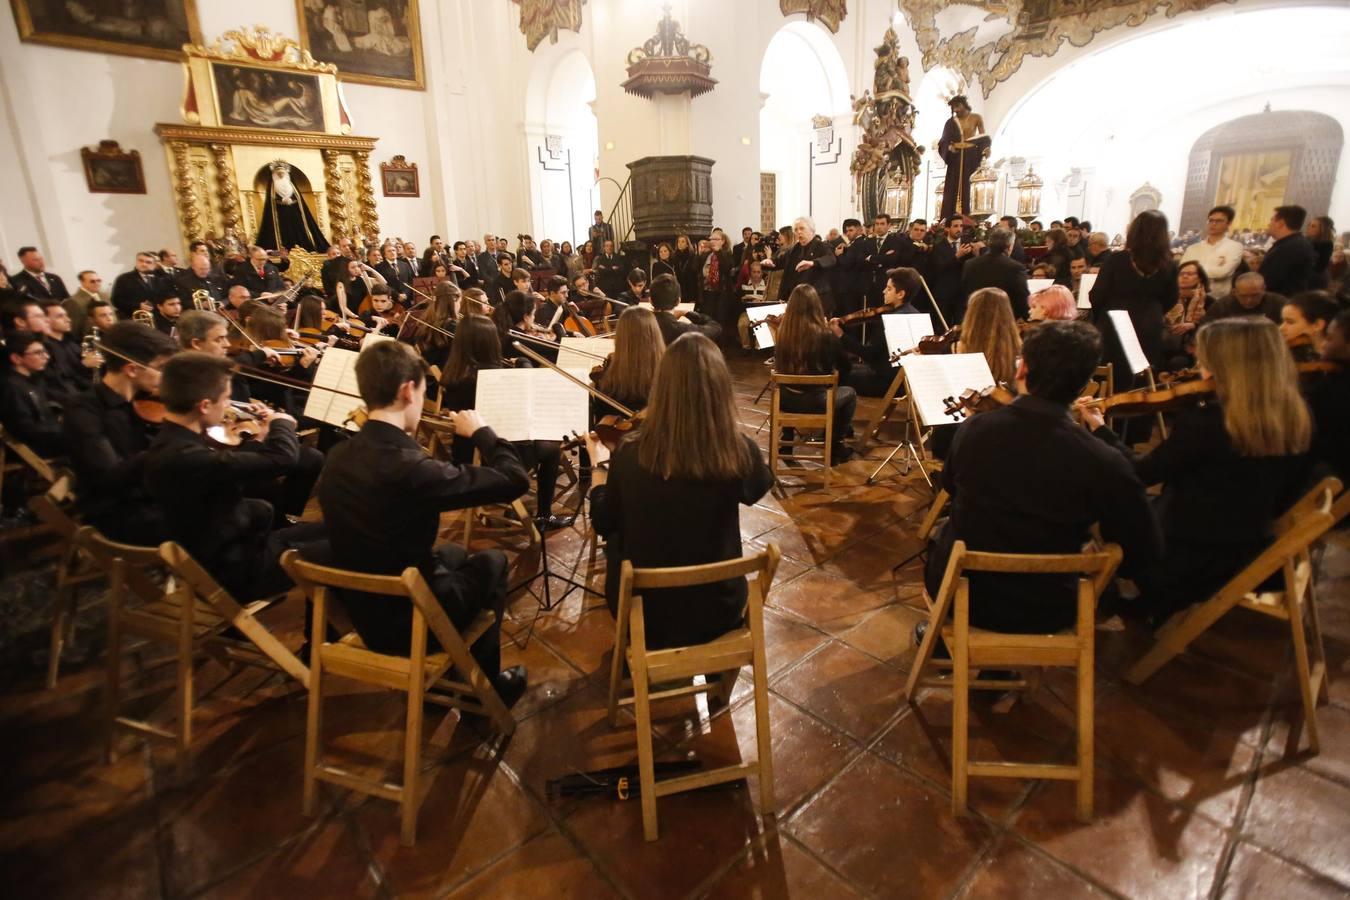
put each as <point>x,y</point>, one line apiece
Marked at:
<point>712,187</point>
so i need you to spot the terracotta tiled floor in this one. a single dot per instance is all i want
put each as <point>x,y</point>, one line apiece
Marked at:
<point>1198,793</point>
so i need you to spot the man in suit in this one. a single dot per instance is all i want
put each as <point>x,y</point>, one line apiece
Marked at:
<point>335,267</point>
<point>487,258</point>
<point>1018,253</point>
<point>34,279</point>
<point>77,304</point>
<point>168,264</point>
<point>996,269</point>
<point>665,296</point>
<point>199,276</point>
<point>611,270</point>
<point>407,261</point>
<point>261,276</point>
<point>808,261</point>
<point>854,274</point>
<point>1290,261</point>
<point>946,260</point>
<point>389,268</point>
<point>738,252</point>
<point>140,288</point>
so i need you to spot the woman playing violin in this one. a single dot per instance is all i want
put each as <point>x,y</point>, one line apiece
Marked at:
<point>476,347</point>
<point>627,373</point>
<point>267,328</point>
<point>807,345</point>
<point>1228,468</point>
<point>516,313</point>
<point>988,327</point>
<point>669,496</point>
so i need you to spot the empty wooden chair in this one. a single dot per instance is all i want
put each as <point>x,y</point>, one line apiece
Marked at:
<point>726,655</point>
<point>779,420</point>
<point>973,649</point>
<point>422,675</point>
<point>54,509</point>
<point>162,594</point>
<point>1289,554</point>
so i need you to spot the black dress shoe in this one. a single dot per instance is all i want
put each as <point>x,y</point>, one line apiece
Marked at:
<point>940,650</point>
<point>552,523</point>
<point>510,684</point>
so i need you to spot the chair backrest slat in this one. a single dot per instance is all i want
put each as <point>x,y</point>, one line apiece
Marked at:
<point>688,576</point>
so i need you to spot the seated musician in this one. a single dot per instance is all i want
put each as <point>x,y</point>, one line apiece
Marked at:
<point>1055,304</point>
<point>378,316</point>
<point>1328,396</point>
<point>669,495</point>
<point>1022,479</point>
<point>309,324</point>
<point>108,439</point>
<point>627,374</point>
<point>589,298</point>
<point>874,377</point>
<point>1228,468</point>
<point>206,332</point>
<point>806,345</point>
<point>166,312</point>
<point>102,315</point>
<point>382,498</point>
<point>1304,321</point>
<point>477,346</point>
<point>275,352</point>
<point>201,488</point>
<point>665,297</point>
<point>66,375</point>
<point>987,327</point>
<point>637,289</point>
<point>432,336</point>
<point>26,408</point>
<point>515,317</point>
<point>556,305</point>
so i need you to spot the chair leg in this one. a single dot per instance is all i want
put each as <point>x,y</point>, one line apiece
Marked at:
<point>1317,653</point>
<point>646,765</point>
<point>313,725</point>
<point>63,615</point>
<point>1086,723</point>
<point>960,705</point>
<point>1303,669</point>
<point>412,764</point>
<point>183,726</point>
<point>1176,636</point>
<point>765,739</point>
<point>112,691</point>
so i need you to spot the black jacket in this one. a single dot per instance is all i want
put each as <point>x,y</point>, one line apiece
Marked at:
<point>997,271</point>
<point>269,282</point>
<point>25,283</point>
<point>188,283</point>
<point>131,289</point>
<point>1147,298</point>
<point>611,274</point>
<point>26,412</point>
<point>655,522</point>
<point>818,276</point>
<point>672,328</point>
<point>1289,265</point>
<point>108,444</point>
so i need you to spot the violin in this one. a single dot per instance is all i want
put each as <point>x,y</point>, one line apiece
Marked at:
<point>613,429</point>
<point>148,409</point>
<point>600,369</point>
<point>1176,394</point>
<point>973,401</point>
<point>930,345</point>
<point>869,313</point>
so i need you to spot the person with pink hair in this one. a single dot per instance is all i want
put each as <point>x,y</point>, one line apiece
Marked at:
<point>1054,302</point>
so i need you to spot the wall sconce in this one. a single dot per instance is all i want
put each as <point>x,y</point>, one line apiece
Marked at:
<point>745,141</point>
<point>1029,194</point>
<point>609,145</point>
<point>983,191</point>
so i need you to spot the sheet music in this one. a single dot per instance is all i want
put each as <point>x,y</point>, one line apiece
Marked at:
<point>1129,340</point>
<point>764,337</point>
<point>1039,284</point>
<point>532,404</point>
<point>572,352</point>
<point>903,331</point>
<point>336,372</point>
<point>933,379</point>
<point>1085,288</point>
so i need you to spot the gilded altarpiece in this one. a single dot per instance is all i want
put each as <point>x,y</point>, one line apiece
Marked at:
<point>251,99</point>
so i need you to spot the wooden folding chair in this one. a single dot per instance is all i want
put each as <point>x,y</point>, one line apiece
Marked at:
<point>15,455</point>
<point>801,422</point>
<point>739,647</point>
<point>54,510</point>
<point>162,594</point>
<point>517,506</point>
<point>1296,531</point>
<point>974,648</point>
<point>417,674</point>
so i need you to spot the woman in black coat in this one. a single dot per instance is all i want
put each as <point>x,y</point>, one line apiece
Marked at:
<point>1141,279</point>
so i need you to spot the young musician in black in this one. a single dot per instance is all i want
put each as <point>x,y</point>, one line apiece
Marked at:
<point>26,408</point>
<point>807,345</point>
<point>1024,479</point>
<point>1328,396</point>
<point>477,347</point>
<point>670,496</point>
<point>108,439</point>
<point>382,498</point>
<point>201,488</point>
<point>665,297</point>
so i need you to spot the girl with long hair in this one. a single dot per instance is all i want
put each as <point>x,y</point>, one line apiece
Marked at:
<point>629,371</point>
<point>1229,468</point>
<point>664,261</point>
<point>688,268</point>
<point>807,344</point>
<point>989,328</point>
<point>669,495</point>
<point>477,347</point>
<point>516,313</point>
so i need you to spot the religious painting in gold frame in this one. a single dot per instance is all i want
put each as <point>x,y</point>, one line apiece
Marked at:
<point>370,43</point>
<point>1254,183</point>
<point>160,32</point>
<point>398,178</point>
<point>258,97</point>
<point>108,169</point>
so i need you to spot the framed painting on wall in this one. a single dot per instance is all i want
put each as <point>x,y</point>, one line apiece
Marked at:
<point>254,97</point>
<point>108,169</point>
<point>157,29</point>
<point>399,178</point>
<point>370,41</point>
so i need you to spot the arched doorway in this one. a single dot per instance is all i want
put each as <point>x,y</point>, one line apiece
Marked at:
<point>562,143</point>
<point>802,77</point>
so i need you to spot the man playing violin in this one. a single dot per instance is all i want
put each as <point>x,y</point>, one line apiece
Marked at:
<point>874,376</point>
<point>382,498</point>
<point>1026,478</point>
<point>108,437</point>
<point>202,490</point>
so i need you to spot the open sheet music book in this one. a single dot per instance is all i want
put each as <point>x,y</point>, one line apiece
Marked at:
<point>1129,339</point>
<point>934,379</point>
<point>903,331</point>
<point>533,404</point>
<point>336,372</point>
<point>1085,288</point>
<point>764,337</point>
<point>572,352</point>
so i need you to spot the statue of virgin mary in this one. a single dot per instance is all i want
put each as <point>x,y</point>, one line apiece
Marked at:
<point>287,220</point>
